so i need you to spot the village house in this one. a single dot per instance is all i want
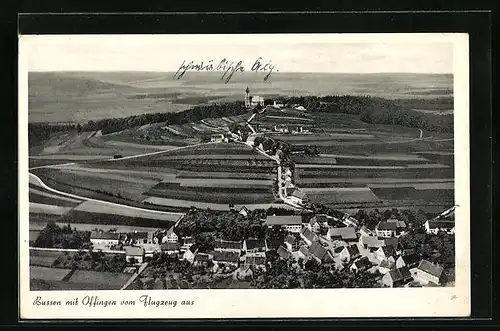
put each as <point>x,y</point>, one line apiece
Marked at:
<point>397,277</point>
<point>283,253</point>
<point>292,223</point>
<point>170,236</point>
<point>320,253</point>
<point>150,249</point>
<point>411,261</point>
<point>217,138</point>
<point>187,242</point>
<point>104,240</point>
<point>385,253</point>
<point>428,272</point>
<point>225,259</point>
<point>190,254</point>
<point>170,248</point>
<point>346,234</point>
<point>244,211</point>
<point>313,225</point>
<point>324,219</point>
<point>364,231</point>
<point>255,247</point>
<point>386,265</point>
<point>348,253</point>
<point>134,254</point>
<point>278,104</point>
<point>371,243</point>
<point>435,226</point>
<point>202,259</point>
<point>274,244</point>
<point>308,236</point>
<point>361,264</point>
<point>137,238</point>
<point>255,261</point>
<point>393,242</point>
<point>291,243</point>
<point>228,246</point>
<point>296,195</point>
<point>385,229</point>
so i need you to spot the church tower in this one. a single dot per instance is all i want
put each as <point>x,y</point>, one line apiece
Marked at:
<point>247,97</point>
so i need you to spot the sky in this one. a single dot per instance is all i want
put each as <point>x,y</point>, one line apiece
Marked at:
<point>329,53</point>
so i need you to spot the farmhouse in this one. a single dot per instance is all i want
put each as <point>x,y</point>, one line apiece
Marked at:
<point>386,265</point>
<point>296,195</point>
<point>170,236</point>
<point>428,272</point>
<point>397,277</point>
<point>320,253</point>
<point>313,225</point>
<point>224,259</point>
<point>360,264</point>
<point>348,253</point>
<point>289,223</point>
<point>283,253</point>
<point>278,104</point>
<point>364,231</point>
<point>150,249</point>
<point>274,244</point>
<point>244,211</point>
<point>134,254</point>
<point>255,247</point>
<point>202,259</point>
<point>228,246</point>
<point>187,242</point>
<point>347,234</point>
<point>104,239</point>
<point>385,252</point>
<point>137,238</point>
<point>323,219</point>
<point>436,226</point>
<point>170,248</point>
<point>411,261</point>
<point>308,236</point>
<point>255,261</point>
<point>386,229</point>
<point>218,138</point>
<point>291,243</point>
<point>190,254</point>
<point>371,243</point>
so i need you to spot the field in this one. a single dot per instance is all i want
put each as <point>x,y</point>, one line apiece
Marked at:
<point>219,173</point>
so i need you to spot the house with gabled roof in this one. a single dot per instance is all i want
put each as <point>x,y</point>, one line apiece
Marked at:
<point>170,248</point>
<point>397,277</point>
<point>134,253</point>
<point>256,261</point>
<point>411,261</point>
<point>386,265</point>
<point>361,264</point>
<point>308,236</point>
<point>255,247</point>
<point>321,254</point>
<point>435,226</point>
<point>190,254</point>
<point>349,253</point>
<point>223,259</point>
<point>104,240</point>
<point>283,253</point>
<point>371,243</point>
<point>384,253</point>
<point>291,223</point>
<point>291,243</point>
<point>347,234</point>
<point>244,211</point>
<point>227,245</point>
<point>385,229</point>
<point>170,236</point>
<point>428,272</point>
<point>364,231</point>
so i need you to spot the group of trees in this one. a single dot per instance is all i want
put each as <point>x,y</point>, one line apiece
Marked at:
<point>205,225</point>
<point>438,248</point>
<point>194,114</point>
<point>414,219</point>
<point>379,110</point>
<point>39,132</point>
<point>91,260</point>
<point>283,274</point>
<point>53,236</point>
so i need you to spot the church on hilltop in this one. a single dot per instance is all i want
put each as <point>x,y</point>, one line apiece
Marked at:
<point>253,100</point>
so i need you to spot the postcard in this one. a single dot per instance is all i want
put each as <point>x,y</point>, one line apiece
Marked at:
<point>244,176</point>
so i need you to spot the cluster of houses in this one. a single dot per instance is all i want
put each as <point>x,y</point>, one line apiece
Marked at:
<point>326,239</point>
<point>357,248</point>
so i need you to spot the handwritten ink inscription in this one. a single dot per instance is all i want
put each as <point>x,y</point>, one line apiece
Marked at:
<point>226,67</point>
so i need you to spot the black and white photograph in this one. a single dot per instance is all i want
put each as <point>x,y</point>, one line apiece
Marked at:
<point>160,164</point>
